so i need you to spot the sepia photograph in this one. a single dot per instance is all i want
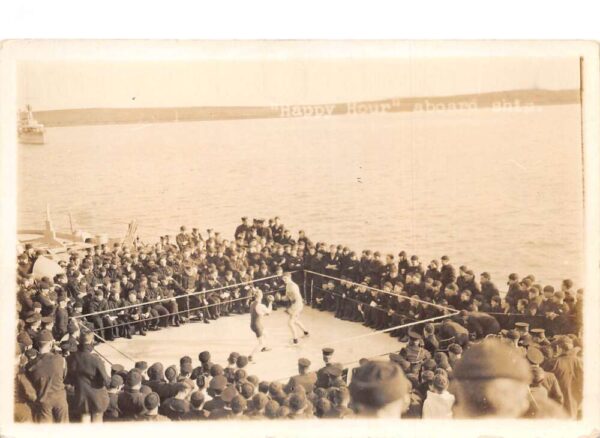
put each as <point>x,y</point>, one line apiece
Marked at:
<point>276,231</point>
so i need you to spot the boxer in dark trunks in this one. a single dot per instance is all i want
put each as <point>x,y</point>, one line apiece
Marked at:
<point>257,311</point>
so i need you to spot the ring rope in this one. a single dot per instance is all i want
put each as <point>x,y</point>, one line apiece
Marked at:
<point>379,290</point>
<point>160,300</point>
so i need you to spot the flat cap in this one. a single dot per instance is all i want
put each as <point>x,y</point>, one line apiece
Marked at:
<point>241,361</point>
<point>204,356</point>
<point>332,370</point>
<point>259,401</point>
<point>117,368</point>
<point>238,403</point>
<point>522,325</point>
<point>24,339</point>
<point>328,351</point>
<point>141,365</point>
<point>455,349</point>
<point>303,362</point>
<point>376,384</point>
<point>492,359</point>
<point>116,380</point>
<point>35,317</point>
<point>44,336</point>
<point>218,383</point>
<point>216,370</point>
<point>297,401</point>
<point>233,356</point>
<point>534,355</point>
<point>134,377</point>
<point>229,393</point>
<point>271,409</point>
<point>538,331</point>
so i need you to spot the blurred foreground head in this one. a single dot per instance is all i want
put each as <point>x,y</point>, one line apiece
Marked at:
<point>380,389</point>
<point>491,380</point>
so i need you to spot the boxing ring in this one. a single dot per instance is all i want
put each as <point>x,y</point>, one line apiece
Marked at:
<point>351,340</point>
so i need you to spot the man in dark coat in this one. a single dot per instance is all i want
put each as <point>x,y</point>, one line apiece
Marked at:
<point>131,401</point>
<point>447,272</point>
<point>568,369</point>
<point>480,324</point>
<point>307,379</point>
<point>47,374</point>
<point>87,373</point>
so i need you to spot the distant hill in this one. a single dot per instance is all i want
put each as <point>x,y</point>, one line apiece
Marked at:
<point>500,100</point>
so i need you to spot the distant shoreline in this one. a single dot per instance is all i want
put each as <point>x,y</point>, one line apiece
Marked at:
<point>502,100</point>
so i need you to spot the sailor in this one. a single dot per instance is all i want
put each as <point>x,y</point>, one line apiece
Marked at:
<point>151,409</point>
<point>414,352</point>
<point>568,369</point>
<point>47,374</point>
<point>323,374</point>
<point>307,379</point>
<point>158,311</point>
<point>215,389</point>
<point>539,336</point>
<point>131,400</point>
<point>95,305</point>
<point>87,373</point>
<point>178,406</point>
<point>480,324</point>
<point>522,327</point>
<point>183,239</point>
<point>196,412</point>
<point>545,379</point>
<point>447,272</point>
<point>112,413</point>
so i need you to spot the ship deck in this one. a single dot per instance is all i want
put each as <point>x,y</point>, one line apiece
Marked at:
<point>232,333</point>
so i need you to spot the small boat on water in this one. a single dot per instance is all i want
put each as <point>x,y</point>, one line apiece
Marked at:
<point>58,245</point>
<point>29,130</point>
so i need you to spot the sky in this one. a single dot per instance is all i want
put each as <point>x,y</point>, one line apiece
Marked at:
<point>75,84</point>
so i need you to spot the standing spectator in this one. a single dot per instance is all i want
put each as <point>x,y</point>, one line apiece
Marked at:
<point>86,372</point>
<point>568,369</point>
<point>47,375</point>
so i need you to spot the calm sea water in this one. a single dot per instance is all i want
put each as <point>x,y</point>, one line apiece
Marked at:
<point>497,191</point>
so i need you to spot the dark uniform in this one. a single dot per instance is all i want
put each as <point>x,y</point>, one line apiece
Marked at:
<point>86,372</point>
<point>47,374</point>
<point>307,380</point>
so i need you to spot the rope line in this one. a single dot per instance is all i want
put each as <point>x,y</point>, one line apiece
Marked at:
<point>190,310</point>
<point>113,347</point>
<point>383,291</point>
<point>191,294</point>
<point>410,324</point>
<point>382,309</point>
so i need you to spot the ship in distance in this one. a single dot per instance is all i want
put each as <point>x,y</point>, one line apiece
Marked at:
<point>29,130</point>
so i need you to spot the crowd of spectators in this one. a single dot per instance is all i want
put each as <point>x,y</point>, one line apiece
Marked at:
<point>122,291</point>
